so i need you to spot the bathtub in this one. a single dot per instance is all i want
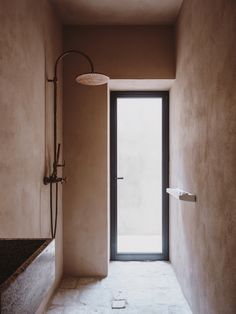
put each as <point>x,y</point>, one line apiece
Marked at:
<point>27,271</point>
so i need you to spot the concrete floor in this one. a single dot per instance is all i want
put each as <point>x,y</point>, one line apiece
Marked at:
<point>147,287</point>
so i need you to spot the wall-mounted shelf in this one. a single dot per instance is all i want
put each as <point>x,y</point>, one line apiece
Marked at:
<point>181,195</point>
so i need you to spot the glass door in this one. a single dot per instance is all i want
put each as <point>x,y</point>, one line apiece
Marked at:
<point>139,175</point>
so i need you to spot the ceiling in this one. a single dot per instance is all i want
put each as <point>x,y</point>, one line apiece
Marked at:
<point>117,12</point>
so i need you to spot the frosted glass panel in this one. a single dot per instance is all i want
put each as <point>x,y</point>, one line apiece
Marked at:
<point>139,162</point>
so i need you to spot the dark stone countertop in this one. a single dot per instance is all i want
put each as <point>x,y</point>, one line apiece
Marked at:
<point>16,255</point>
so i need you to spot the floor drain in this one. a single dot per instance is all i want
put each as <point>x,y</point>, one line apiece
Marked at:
<point>118,304</point>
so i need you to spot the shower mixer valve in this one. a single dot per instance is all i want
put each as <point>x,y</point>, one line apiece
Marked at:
<point>53,178</point>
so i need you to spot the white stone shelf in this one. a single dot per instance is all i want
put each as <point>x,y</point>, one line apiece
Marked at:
<point>182,195</point>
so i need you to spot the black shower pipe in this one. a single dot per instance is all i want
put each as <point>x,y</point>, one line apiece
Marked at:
<point>53,178</point>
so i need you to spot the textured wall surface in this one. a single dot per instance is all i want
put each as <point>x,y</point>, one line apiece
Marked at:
<point>203,154</point>
<point>120,52</point>
<point>30,40</point>
<point>127,52</point>
<point>85,220</point>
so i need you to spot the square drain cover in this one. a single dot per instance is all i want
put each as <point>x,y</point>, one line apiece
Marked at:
<point>118,304</point>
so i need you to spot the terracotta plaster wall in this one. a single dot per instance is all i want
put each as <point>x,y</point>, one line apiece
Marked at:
<point>30,40</point>
<point>127,52</point>
<point>203,154</point>
<point>120,52</point>
<point>85,194</point>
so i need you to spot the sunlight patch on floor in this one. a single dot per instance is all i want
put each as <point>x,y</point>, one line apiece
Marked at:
<point>146,287</point>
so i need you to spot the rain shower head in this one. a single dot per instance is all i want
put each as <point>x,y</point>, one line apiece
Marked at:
<point>92,79</point>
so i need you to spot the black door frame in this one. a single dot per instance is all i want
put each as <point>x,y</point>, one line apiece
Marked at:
<point>113,175</point>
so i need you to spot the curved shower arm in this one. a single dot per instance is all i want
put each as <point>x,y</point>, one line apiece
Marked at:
<point>54,81</point>
<point>53,178</point>
<point>65,53</point>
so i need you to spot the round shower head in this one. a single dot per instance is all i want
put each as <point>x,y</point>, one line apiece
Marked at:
<point>92,78</point>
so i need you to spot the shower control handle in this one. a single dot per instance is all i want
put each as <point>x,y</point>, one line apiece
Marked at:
<point>64,180</point>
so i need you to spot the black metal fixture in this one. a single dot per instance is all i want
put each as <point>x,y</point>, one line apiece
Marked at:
<point>91,78</point>
<point>115,254</point>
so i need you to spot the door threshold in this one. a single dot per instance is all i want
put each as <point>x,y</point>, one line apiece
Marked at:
<point>140,257</point>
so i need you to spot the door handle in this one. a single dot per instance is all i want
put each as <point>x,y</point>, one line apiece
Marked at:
<point>119,178</point>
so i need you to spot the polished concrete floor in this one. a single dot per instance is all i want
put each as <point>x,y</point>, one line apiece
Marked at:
<point>142,287</point>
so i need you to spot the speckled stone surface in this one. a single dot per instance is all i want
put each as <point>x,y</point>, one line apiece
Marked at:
<point>13,253</point>
<point>33,272</point>
<point>146,287</point>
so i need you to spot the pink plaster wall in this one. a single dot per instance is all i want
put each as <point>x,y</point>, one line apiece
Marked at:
<point>203,154</point>
<point>127,52</point>
<point>119,52</point>
<point>85,214</point>
<point>30,40</point>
